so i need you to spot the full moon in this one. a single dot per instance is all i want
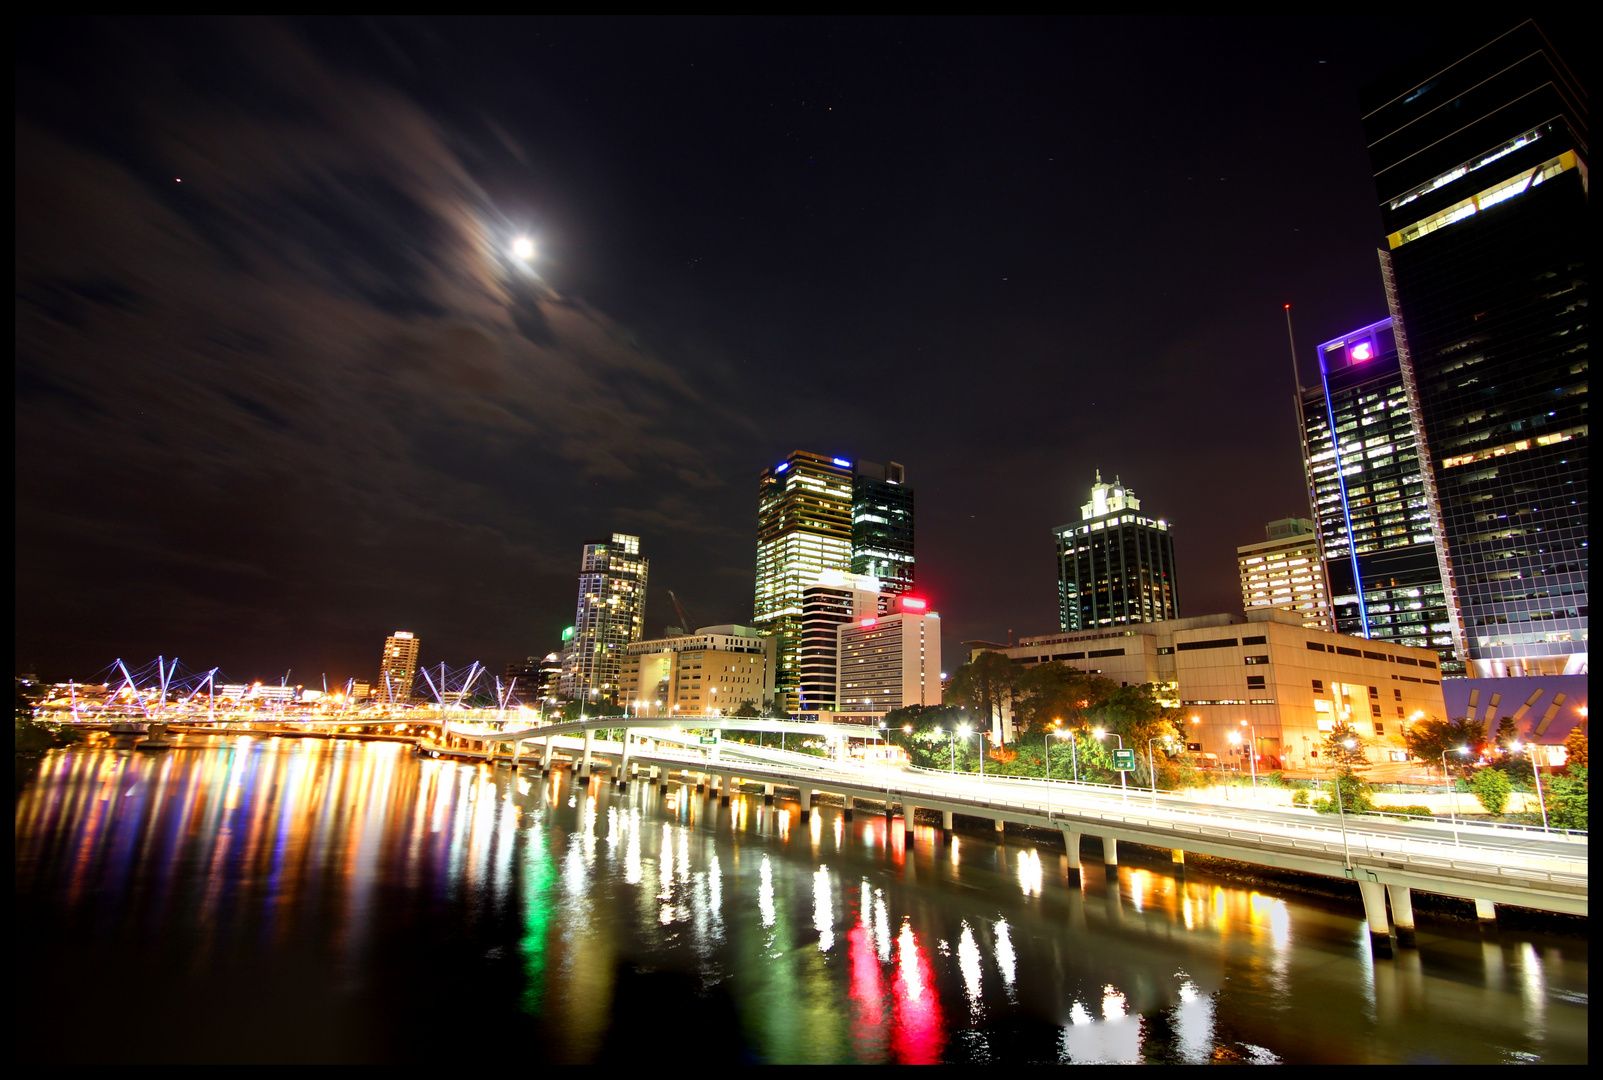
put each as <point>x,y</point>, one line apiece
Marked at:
<point>523,247</point>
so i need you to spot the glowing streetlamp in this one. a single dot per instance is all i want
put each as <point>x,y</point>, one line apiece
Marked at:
<point>1252,751</point>
<point>1123,787</point>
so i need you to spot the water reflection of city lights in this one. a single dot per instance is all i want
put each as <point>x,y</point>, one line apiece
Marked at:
<point>1006,961</point>
<point>1031,879</point>
<point>765,892</point>
<point>968,962</point>
<point>823,909</point>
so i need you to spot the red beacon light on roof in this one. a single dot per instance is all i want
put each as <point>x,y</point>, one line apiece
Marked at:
<point>913,603</point>
<point>870,621</point>
<point>1364,350</point>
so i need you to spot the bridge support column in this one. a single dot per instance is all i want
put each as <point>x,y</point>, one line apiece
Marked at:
<point>517,751</point>
<point>1071,844</point>
<point>1402,913</point>
<point>1486,912</point>
<point>621,777</point>
<point>1177,857</point>
<point>1374,894</point>
<point>726,789</point>
<point>1001,826</point>
<point>662,778</point>
<point>946,826</point>
<point>1110,851</point>
<point>846,807</point>
<point>806,802</point>
<point>909,813</point>
<point>768,794</point>
<point>702,781</point>
<point>545,756</point>
<point>589,741</point>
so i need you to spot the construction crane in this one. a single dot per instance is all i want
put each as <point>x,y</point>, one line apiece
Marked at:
<point>684,620</point>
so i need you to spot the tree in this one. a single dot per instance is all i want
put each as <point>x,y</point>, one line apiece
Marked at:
<point>983,684</point>
<point>1054,695</point>
<point>1430,738</point>
<point>1575,747</point>
<point>1566,796</point>
<point>1146,725</point>
<point>1507,733</point>
<point>1344,748</point>
<point>1354,791</point>
<point>1491,788</point>
<point>748,709</point>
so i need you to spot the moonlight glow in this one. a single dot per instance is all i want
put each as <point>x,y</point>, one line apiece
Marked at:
<point>523,248</point>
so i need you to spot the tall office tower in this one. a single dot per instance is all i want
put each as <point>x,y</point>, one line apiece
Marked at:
<point>1115,566</point>
<point>835,599</point>
<point>804,527</point>
<point>397,669</point>
<point>1369,494</point>
<point>1479,156</point>
<point>1287,572</point>
<point>610,616</point>
<point>882,525</point>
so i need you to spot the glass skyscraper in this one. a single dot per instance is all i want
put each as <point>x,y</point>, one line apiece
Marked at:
<point>1115,566</point>
<point>610,617</point>
<point>1362,455</point>
<point>804,528</point>
<point>882,525</point>
<point>1479,156</point>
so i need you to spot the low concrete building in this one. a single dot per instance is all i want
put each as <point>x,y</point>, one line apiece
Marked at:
<point>709,673</point>
<point>1263,675</point>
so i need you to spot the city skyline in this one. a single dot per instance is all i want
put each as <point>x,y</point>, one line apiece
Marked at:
<point>152,302</point>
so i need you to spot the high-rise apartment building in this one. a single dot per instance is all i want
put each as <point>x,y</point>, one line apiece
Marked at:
<point>890,661</point>
<point>610,616</point>
<point>397,669</point>
<point>834,600</point>
<point>1287,571</point>
<point>1114,566</point>
<point>882,525</point>
<point>804,528</point>
<point>1479,157</point>
<point>1361,451</point>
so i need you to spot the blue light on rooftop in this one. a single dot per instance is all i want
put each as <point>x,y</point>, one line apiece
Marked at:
<point>782,466</point>
<point>843,464</point>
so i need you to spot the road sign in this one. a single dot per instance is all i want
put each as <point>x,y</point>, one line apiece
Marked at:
<point>712,740</point>
<point>1124,760</point>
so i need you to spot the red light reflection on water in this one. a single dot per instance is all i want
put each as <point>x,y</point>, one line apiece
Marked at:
<point>868,994</point>
<point>919,1026</point>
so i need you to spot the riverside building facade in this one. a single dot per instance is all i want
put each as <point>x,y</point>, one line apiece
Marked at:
<point>1479,158</point>
<point>610,616</point>
<point>889,661</point>
<point>1264,678</point>
<point>712,672</point>
<point>1377,524</point>
<point>834,600</point>
<point>1115,566</point>
<point>1287,571</point>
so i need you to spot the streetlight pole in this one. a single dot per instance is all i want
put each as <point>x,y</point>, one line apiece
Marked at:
<point>1452,796</point>
<point>1152,763</point>
<point>1341,816</point>
<point>1252,751</point>
<point>951,744</point>
<point>1536,775</point>
<point>1074,753</point>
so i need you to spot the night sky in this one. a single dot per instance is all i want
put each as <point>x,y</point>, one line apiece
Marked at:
<point>280,390</point>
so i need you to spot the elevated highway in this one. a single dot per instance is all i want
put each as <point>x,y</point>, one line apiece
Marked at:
<point>1387,859</point>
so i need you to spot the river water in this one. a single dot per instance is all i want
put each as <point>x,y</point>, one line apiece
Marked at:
<point>312,900</point>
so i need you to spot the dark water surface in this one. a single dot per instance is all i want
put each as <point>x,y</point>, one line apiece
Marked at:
<point>314,900</point>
